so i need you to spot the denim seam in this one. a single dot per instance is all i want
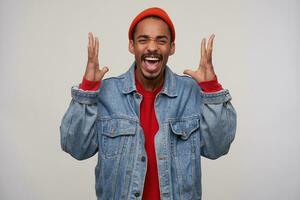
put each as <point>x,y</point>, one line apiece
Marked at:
<point>84,97</point>
<point>64,144</point>
<point>216,98</point>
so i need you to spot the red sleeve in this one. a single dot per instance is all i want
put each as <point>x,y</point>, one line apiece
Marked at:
<point>89,85</point>
<point>210,86</point>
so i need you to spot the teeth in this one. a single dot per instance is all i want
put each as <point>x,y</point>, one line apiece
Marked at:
<point>151,59</point>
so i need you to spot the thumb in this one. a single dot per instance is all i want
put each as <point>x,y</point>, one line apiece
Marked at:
<point>189,72</point>
<point>100,74</point>
<point>105,70</point>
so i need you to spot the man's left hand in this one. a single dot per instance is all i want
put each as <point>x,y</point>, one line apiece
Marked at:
<point>205,71</point>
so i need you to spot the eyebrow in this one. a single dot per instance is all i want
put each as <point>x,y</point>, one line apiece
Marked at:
<point>157,37</point>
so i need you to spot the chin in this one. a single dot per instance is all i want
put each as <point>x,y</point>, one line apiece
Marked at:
<point>151,76</point>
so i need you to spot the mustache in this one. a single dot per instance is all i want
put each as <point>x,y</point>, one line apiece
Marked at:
<point>153,55</point>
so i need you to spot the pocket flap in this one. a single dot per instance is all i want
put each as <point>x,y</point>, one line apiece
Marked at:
<point>118,127</point>
<point>184,128</point>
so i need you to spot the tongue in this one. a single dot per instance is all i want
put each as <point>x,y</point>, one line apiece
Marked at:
<point>151,66</point>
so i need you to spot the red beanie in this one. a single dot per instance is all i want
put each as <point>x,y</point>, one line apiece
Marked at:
<point>158,12</point>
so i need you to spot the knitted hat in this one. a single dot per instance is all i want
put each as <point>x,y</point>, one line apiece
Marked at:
<point>155,11</point>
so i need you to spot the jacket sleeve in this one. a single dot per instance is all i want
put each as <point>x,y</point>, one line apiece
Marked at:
<point>78,130</point>
<point>217,124</point>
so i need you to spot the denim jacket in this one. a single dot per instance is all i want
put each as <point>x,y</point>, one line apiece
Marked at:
<point>191,124</point>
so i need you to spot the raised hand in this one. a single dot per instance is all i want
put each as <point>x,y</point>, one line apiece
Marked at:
<point>92,71</point>
<point>205,71</point>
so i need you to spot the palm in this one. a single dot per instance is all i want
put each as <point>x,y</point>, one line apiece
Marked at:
<point>205,71</point>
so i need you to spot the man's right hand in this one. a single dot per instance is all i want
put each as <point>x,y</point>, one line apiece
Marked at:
<point>92,71</point>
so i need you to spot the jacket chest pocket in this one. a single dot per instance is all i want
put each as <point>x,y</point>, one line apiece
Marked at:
<point>183,138</point>
<point>117,135</point>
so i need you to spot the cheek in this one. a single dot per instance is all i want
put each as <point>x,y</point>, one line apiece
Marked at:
<point>138,52</point>
<point>138,56</point>
<point>166,53</point>
<point>166,50</point>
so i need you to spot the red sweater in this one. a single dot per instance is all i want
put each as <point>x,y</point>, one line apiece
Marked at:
<point>150,127</point>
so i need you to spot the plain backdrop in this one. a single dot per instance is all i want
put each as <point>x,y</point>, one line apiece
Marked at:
<point>43,52</point>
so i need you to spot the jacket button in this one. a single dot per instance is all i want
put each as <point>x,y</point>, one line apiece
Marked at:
<point>137,194</point>
<point>137,96</point>
<point>143,158</point>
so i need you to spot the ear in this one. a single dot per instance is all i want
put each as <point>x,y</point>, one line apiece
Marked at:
<point>172,50</point>
<point>131,46</point>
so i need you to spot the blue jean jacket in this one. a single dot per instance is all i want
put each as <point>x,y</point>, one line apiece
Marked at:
<point>191,124</point>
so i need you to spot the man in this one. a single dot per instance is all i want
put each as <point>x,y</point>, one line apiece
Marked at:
<point>149,125</point>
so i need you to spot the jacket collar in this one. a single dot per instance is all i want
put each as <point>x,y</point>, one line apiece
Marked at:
<point>168,89</point>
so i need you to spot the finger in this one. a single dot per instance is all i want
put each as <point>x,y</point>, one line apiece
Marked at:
<point>97,47</point>
<point>94,47</point>
<point>203,48</point>
<point>90,49</point>
<point>91,40</point>
<point>210,47</point>
<point>210,41</point>
<point>104,70</point>
<point>203,53</point>
<point>100,73</point>
<point>189,72</point>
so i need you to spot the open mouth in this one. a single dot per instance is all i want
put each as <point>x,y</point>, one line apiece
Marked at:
<point>152,62</point>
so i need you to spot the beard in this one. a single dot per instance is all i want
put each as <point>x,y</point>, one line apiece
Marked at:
<point>151,78</point>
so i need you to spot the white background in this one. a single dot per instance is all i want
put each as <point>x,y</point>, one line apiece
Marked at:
<point>256,56</point>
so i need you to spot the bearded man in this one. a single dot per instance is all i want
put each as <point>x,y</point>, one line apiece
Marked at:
<point>149,126</point>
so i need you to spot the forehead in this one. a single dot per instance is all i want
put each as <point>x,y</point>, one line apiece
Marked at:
<point>153,27</point>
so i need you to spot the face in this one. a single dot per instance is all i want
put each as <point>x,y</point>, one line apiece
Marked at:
<point>151,47</point>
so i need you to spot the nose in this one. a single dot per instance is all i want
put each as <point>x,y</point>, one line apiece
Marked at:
<point>152,46</point>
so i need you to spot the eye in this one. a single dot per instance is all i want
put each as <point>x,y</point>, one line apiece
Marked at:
<point>162,41</point>
<point>142,41</point>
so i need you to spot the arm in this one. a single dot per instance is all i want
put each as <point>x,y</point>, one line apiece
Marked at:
<point>218,117</point>
<point>78,127</point>
<point>217,124</point>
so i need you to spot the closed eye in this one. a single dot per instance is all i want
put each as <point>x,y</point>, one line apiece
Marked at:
<point>142,41</point>
<point>162,41</point>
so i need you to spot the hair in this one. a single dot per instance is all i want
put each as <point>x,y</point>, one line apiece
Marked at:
<point>152,17</point>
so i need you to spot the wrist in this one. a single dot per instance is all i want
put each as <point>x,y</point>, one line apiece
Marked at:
<point>89,85</point>
<point>211,85</point>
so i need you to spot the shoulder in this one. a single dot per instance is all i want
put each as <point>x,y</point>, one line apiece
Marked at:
<point>114,80</point>
<point>185,79</point>
<point>183,82</point>
<point>112,84</point>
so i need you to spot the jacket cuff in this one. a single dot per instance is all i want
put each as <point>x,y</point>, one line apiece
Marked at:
<point>84,97</point>
<point>216,97</point>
